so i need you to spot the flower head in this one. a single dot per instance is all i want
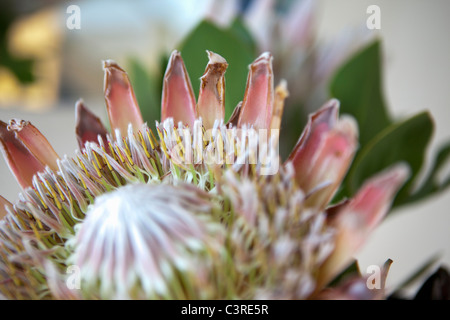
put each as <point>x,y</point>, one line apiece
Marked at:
<point>148,241</point>
<point>198,209</point>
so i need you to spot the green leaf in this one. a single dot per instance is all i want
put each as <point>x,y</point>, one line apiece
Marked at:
<point>240,30</point>
<point>237,52</point>
<point>358,86</point>
<point>292,126</point>
<point>403,141</point>
<point>147,89</point>
<point>431,184</point>
<point>22,68</point>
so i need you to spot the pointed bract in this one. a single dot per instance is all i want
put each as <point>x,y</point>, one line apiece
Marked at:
<point>324,153</point>
<point>235,115</point>
<point>355,220</point>
<point>211,98</point>
<point>120,100</point>
<point>178,100</point>
<point>319,123</point>
<point>21,161</point>
<point>88,125</point>
<point>259,94</point>
<point>35,142</point>
<point>332,161</point>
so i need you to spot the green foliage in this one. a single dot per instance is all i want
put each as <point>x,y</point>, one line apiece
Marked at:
<point>22,68</point>
<point>240,30</point>
<point>358,86</point>
<point>147,88</point>
<point>383,140</point>
<point>402,141</point>
<point>432,183</point>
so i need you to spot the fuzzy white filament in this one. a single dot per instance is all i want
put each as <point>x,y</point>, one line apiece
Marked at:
<point>143,236</point>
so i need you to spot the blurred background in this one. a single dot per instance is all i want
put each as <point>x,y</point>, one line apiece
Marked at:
<point>45,67</point>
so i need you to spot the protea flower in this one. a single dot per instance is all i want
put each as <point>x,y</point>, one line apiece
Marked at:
<point>199,209</point>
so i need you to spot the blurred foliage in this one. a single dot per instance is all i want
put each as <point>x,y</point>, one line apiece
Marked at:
<point>293,122</point>
<point>358,87</point>
<point>432,183</point>
<point>21,68</point>
<point>147,88</point>
<point>383,140</point>
<point>402,141</point>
